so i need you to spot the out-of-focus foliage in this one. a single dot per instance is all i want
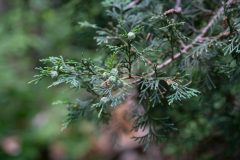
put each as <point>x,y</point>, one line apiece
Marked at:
<point>30,127</point>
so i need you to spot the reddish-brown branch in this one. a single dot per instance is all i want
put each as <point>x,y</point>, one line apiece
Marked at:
<point>177,9</point>
<point>221,35</point>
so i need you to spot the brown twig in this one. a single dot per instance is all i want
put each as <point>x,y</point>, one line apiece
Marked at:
<point>196,40</point>
<point>132,4</point>
<point>221,35</point>
<point>177,9</point>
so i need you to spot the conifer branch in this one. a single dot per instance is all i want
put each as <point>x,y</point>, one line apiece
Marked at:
<point>135,38</point>
<point>199,38</point>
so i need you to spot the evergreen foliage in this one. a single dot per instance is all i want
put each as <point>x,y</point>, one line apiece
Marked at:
<point>159,52</point>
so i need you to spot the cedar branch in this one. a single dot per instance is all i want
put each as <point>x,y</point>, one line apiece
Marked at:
<point>197,39</point>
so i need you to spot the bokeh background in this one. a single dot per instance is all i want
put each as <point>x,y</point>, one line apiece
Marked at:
<point>30,125</point>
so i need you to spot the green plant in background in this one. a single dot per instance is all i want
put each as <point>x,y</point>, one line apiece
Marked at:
<point>29,30</point>
<point>159,53</point>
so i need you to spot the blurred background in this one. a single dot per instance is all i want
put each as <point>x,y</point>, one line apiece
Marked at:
<point>30,126</point>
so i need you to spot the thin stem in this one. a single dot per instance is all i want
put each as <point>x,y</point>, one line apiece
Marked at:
<point>114,34</point>
<point>129,60</point>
